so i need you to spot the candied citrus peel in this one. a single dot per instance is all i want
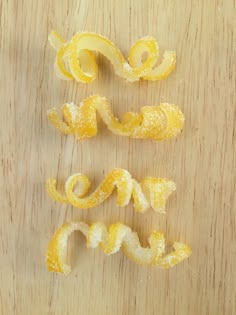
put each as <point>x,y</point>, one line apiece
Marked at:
<point>76,59</point>
<point>154,122</point>
<point>151,192</point>
<point>118,236</point>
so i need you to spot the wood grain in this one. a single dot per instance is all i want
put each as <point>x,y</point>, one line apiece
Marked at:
<point>201,160</point>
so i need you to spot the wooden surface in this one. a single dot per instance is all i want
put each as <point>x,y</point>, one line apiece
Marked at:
<point>201,160</point>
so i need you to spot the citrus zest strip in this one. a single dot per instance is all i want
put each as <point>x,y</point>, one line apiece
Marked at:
<point>153,122</point>
<point>149,193</point>
<point>118,236</point>
<point>76,59</point>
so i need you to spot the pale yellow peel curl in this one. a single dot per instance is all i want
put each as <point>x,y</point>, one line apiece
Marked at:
<point>118,236</point>
<point>76,59</point>
<point>153,122</point>
<point>150,193</point>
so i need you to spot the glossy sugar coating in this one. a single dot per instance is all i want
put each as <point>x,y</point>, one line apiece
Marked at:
<point>76,59</point>
<point>153,122</point>
<point>118,236</point>
<point>151,192</point>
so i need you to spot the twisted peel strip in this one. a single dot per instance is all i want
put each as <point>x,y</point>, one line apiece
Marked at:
<point>118,236</point>
<point>151,192</point>
<point>154,122</point>
<point>76,60</point>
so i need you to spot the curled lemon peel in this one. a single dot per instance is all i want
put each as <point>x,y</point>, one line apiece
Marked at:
<point>76,59</point>
<point>150,192</point>
<point>153,122</point>
<point>118,236</point>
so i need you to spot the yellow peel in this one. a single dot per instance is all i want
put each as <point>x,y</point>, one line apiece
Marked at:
<point>76,59</point>
<point>153,122</point>
<point>118,236</point>
<point>150,193</point>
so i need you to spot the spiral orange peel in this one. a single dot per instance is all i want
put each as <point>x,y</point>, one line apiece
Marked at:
<point>153,122</point>
<point>76,59</point>
<point>151,192</point>
<point>118,236</point>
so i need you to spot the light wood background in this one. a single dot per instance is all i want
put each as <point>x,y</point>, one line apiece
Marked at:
<point>201,160</point>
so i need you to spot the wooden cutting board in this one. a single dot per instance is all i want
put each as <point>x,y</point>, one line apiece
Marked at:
<point>201,160</point>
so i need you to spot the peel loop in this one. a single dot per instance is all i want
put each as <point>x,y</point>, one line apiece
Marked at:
<point>76,59</point>
<point>119,236</point>
<point>153,122</point>
<point>152,192</point>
